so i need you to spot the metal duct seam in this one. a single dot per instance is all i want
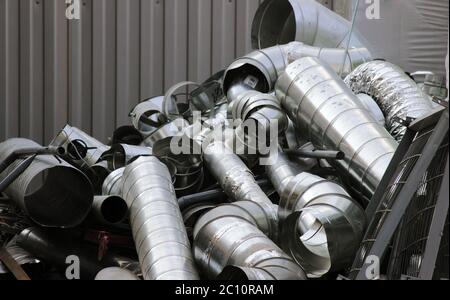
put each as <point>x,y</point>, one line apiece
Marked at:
<point>229,236</point>
<point>322,226</point>
<point>121,154</point>
<point>157,224</point>
<point>260,69</point>
<point>332,117</point>
<point>398,96</point>
<point>283,21</point>
<point>50,191</point>
<point>113,183</point>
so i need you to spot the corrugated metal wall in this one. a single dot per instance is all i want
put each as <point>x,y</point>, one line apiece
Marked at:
<point>91,72</point>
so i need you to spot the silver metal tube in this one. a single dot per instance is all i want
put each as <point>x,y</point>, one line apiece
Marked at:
<point>70,138</point>
<point>109,210</point>
<point>115,274</point>
<point>157,224</point>
<point>148,116</point>
<point>326,111</point>
<point>395,92</point>
<point>266,65</point>
<point>236,235</point>
<point>121,154</point>
<point>113,183</point>
<point>322,226</point>
<point>50,191</point>
<point>307,21</point>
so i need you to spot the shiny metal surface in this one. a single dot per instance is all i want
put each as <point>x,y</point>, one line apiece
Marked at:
<point>307,21</point>
<point>395,92</point>
<point>109,210</point>
<point>121,154</point>
<point>372,106</point>
<point>266,65</point>
<point>115,274</point>
<point>236,235</point>
<point>157,224</point>
<point>113,183</point>
<point>148,116</point>
<point>69,138</point>
<point>20,255</point>
<point>168,131</point>
<point>327,113</point>
<point>51,192</point>
<point>322,226</point>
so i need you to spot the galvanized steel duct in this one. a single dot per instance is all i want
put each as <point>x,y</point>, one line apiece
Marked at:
<point>395,92</point>
<point>109,210</point>
<point>307,21</point>
<point>148,116</point>
<point>260,69</point>
<point>50,191</point>
<point>113,183</point>
<point>157,224</point>
<point>229,236</point>
<point>74,141</point>
<point>326,111</point>
<point>121,154</point>
<point>116,274</point>
<point>322,226</point>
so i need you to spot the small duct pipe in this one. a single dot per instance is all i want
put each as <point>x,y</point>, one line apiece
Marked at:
<point>82,149</point>
<point>259,70</point>
<point>121,154</point>
<point>237,235</point>
<point>116,274</point>
<point>282,21</point>
<point>148,116</point>
<point>50,191</point>
<point>97,175</point>
<point>322,226</point>
<point>326,111</point>
<point>109,210</point>
<point>113,183</point>
<point>159,233</point>
<point>398,96</point>
<point>54,247</point>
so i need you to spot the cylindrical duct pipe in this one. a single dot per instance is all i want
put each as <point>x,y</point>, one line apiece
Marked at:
<point>322,226</point>
<point>50,191</point>
<point>113,183</point>
<point>157,224</point>
<point>115,274</point>
<point>259,70</point>
<point>148,116</point>
<point>307,21</point>
<point>109,210</point>
<point>398,96</point>
<point>82,149</point>
<point>326,111</point>
<point>121,154</point>
<point>229,236</point>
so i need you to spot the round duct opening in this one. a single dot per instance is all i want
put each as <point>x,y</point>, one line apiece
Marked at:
<point>114,209</point>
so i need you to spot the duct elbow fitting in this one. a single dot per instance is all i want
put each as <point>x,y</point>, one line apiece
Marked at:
<point>283,21</point>
<point>159,233</point>
<point>326,111</point>
<point>322,226</point>
<point>260,69</point>
<point>228,236</point>
<point>50,191</point>
<point>395,92</point>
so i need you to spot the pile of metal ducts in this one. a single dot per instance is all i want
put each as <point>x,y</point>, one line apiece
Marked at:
<point>262,172</point>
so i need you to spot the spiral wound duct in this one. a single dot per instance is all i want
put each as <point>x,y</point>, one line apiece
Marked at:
<point>283,21</point>
<point>331,116</point>
<point>394,91</point>
<point>260,69</point>
<point>228,236</point>
<point>157,224</point>
<point>322,226</point>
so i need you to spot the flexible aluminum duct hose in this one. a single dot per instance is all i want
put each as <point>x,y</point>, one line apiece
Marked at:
<point>156,221</point>
<point>322,226</point>
<point>283,21</point>
<point>229,236</point>
<point>50,191</point>
<point>260,69</point>
<point>395,92</point>
<point>326,111</point>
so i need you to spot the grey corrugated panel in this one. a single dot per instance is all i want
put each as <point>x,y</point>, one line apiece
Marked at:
<point>200,33</point>
<point>104,68</point>
<point>224,33</point>
<point>80,71</point>
<point>56,68</point>
<point>246,10</point>
<point>175,42</point>
<point>152,48</point>
<point>128,59</point>
<point>9,68</point>
<point>32,70</point>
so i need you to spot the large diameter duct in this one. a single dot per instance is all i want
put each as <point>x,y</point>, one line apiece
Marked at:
<point>50,191</point>
<point>228,236</point>
<point>260,69</point>
<point>322,226</point>
<point>283,21</point>
<point>326,111</point>
<point>398,96</point>
<point>159,233</point>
